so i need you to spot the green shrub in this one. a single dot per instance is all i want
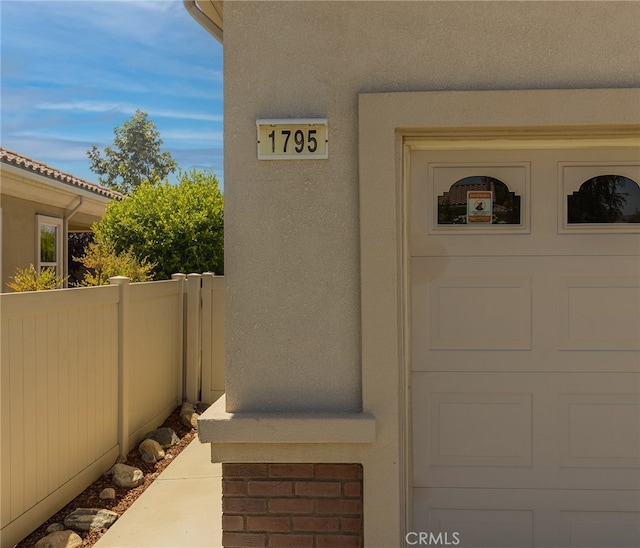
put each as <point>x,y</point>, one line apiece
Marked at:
<point>102,262</point>
<point>179,227</point>
<point>29,279</point>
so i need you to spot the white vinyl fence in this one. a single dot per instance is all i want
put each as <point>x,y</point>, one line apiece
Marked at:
<point>86,372</point>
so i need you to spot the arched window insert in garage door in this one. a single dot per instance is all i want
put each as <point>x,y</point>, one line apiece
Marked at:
<point>463,197</point>
<point>605,199</point>
<point>479,199</point>
<point>599,197</point>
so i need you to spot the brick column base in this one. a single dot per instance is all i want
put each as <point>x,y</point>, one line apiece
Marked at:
<point>294,505</point>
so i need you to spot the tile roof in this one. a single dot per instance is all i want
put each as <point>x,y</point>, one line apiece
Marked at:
<point>457,194</point>
<point>13,158</point>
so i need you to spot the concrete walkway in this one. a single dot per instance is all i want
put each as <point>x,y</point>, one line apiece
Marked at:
<point>181,508</point>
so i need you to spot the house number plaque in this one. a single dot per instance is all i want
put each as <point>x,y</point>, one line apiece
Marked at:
<point>297,139</point>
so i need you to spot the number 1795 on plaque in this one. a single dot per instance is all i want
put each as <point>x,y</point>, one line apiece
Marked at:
<point>291,140</point>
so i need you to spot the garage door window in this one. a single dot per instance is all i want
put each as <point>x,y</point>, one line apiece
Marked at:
<point>468,198</point>
<point>599,197</point>
<point>605,199</point>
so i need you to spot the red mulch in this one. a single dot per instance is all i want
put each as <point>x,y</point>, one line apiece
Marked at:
<point>90,497</point>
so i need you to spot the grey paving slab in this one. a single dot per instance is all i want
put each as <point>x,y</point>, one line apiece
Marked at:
<point>182,508</point>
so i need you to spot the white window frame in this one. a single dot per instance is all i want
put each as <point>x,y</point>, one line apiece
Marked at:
<point>42,220</point>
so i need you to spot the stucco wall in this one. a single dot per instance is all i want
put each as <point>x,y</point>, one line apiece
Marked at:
<point>19,227</point>
<point>292,251</point>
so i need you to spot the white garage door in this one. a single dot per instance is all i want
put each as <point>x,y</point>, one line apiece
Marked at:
<point>525,381</point>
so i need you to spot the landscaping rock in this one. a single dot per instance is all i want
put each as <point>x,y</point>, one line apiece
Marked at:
<point>166,437</point>
<point>108,493</point>
<point>153,447</point>
<point>60,539</point>
<point>188,415</point>
<point>201,407</point>
<point>126,476</point>
<point>55,527</point>
<point>149,458</point>
<point>90,519</point>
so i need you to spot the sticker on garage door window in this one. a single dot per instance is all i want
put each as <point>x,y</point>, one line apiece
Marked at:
<point>479,200</point>
<point>479,206</point>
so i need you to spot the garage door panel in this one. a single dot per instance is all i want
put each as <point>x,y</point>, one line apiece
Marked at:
<point>576,245</point>
<point>525,314</point>
<point>480,429</point>
<point>526,430</point>
<point>619,268</point>
<point>600,430</point>
<point>600,313</point>
<point>500,518</point>
<point>518,517</point>
<point>528,361</point>
<point>547,172</point>
<point>604,529</point>
<point>480,313</point>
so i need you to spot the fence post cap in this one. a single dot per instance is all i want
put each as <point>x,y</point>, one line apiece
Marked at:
<point>194,275</point>
<point>119,280</point>
<point>178,276</point>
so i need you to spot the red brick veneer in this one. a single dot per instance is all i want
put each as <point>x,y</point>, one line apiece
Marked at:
<point>292,505</point>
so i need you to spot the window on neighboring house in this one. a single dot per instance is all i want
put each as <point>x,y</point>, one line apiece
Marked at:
<point>49,243</point>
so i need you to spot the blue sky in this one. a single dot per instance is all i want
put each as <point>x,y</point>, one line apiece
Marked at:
<point>73,70</point>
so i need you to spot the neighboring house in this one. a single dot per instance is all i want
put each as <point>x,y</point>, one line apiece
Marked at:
<point>39,206</point>
<point>486,376</point>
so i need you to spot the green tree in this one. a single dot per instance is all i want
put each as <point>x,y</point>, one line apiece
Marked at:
<point>180,228</point>
<point>599,200</point>
<point>135,156</point>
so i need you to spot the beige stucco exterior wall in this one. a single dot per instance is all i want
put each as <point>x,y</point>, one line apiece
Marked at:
<point>314,265</point>
<point>292,253</point>
<point>18,229</point>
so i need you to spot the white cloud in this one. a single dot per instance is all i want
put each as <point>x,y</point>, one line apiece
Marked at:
<point>213,137</point>
<point>100,106</point>
<point>86,106</point>
<point>167,113</point>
